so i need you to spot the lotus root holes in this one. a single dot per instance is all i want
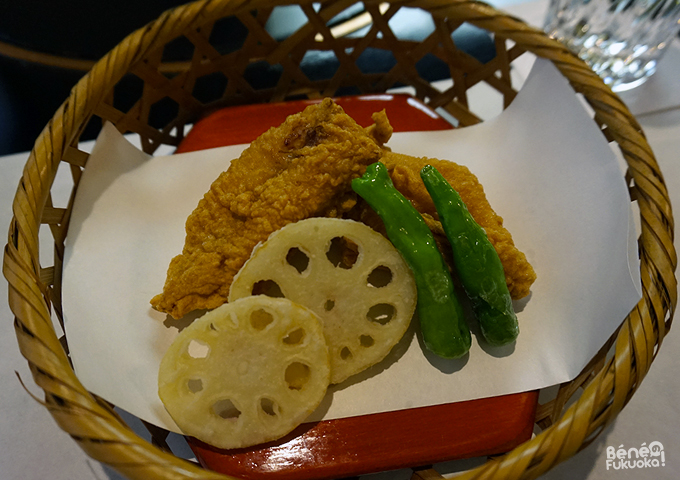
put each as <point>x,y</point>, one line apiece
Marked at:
<point>345,353</point>
<point>260,319</point>
<point>366,341</point>
<point>198,349</point>
<point>297,259</point>
<point>342,252</point>
<point>195,385</point>
<point>267,287</point>
<point>295,337</point>
<point>380,277</point>
<point>269,406</point>
<point>381,313</point>
<point>226,409</point>
<point>297,375</point>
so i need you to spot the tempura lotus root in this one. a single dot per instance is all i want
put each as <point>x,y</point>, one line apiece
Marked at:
<point>349,275</point>
<point>245,373</point>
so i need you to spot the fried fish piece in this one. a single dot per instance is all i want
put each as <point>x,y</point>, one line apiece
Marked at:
<point>405,173</point>
<point>301,169</point>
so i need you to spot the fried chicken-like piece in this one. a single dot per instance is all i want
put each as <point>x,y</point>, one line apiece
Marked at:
<point>405,173</point>
<point>298,170</point>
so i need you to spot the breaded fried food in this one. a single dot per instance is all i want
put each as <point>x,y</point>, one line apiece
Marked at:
<point>298,170</point>
<point>405,173</point>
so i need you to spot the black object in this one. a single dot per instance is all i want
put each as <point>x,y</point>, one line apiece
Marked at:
<point>30,93</point>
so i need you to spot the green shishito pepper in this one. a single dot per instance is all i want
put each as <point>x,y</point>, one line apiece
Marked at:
<point>442,320</point>
<point>476,261</point>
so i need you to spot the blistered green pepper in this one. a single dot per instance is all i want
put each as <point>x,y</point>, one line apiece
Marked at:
<point>476,261</point>
<point>442,320</point>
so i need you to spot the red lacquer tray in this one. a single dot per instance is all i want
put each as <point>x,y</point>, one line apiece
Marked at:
<point>369,443</point>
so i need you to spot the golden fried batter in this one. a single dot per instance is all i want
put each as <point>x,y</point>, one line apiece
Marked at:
<point>298,170</point>
<point>405,173</point>
<point>303,169</point>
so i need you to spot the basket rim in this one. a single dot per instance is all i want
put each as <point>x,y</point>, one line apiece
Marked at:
<point>92,421</point>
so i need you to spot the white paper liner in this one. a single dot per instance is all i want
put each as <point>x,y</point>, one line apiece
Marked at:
<point>546,169</point>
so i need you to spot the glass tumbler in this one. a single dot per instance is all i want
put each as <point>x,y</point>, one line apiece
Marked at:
<point>622,40</point>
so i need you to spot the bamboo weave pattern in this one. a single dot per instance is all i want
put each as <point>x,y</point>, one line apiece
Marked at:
<point>138,62</point>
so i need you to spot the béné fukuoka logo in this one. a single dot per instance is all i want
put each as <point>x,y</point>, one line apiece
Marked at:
<point>647,456</point>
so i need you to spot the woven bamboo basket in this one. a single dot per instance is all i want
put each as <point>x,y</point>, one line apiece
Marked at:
<point>565,424</point>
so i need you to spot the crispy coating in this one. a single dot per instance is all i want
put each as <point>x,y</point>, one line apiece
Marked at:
<point>303,169</point>
<point>298,170</point>
<point>405,173</point>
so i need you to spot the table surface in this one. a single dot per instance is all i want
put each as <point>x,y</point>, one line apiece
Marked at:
<point>32,446</point>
